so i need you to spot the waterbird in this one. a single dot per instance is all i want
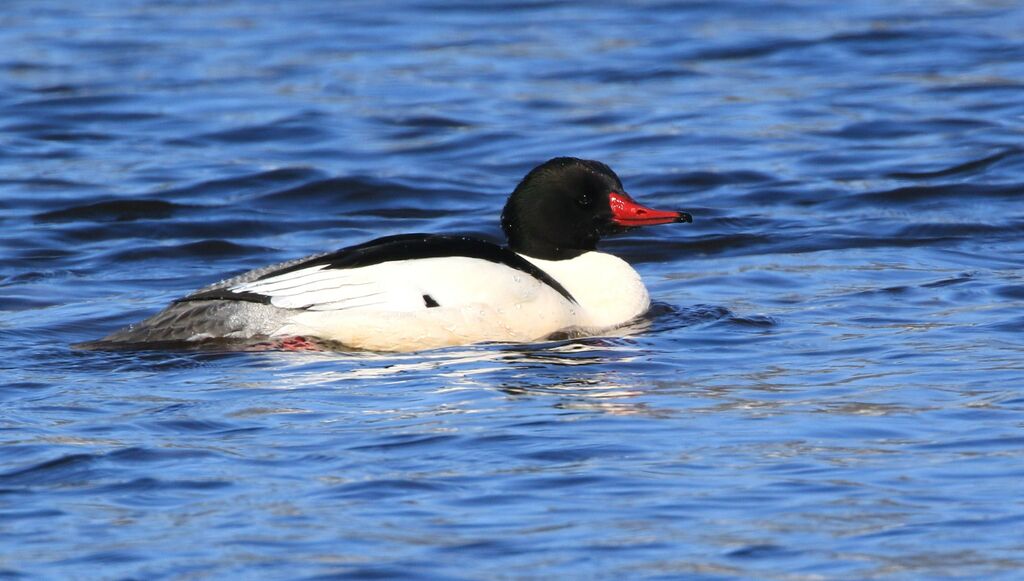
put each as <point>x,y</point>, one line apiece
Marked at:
<point>412,292</point>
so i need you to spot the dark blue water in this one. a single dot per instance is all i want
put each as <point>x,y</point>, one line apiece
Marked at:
<point>830,385</point>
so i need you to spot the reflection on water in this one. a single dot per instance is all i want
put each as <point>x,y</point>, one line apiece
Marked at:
<point>517,370</point>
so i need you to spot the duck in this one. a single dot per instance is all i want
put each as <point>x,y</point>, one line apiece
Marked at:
<point>412,292</point>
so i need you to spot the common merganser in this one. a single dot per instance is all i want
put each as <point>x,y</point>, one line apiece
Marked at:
<point>422,291</point>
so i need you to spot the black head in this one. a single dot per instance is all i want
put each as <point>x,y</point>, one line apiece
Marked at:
<point>565,205</point>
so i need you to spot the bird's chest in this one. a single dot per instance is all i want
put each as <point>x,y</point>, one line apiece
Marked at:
<point>608,290</point>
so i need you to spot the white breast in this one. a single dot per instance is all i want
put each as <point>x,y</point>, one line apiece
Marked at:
<point>608,290</point>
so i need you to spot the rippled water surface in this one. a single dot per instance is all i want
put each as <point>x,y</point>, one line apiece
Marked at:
<point>828,386</point>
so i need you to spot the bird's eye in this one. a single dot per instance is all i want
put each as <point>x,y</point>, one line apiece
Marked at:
<point>584,201</point>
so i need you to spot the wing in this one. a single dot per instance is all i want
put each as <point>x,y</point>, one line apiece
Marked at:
<point>397,273</point>
<point>320,288</point>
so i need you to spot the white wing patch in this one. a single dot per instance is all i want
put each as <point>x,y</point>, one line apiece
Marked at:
<point>399,286</point>
<point>319,288</point>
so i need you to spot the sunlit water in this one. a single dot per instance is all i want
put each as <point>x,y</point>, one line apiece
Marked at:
<point>829,384</point>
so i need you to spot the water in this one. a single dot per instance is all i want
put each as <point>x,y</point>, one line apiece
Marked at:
<point>829,384</point>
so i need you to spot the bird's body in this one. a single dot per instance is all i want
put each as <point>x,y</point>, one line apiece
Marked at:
<point>421,291</point>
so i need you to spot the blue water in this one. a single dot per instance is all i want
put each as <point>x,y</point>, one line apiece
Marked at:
<point>829,385</point>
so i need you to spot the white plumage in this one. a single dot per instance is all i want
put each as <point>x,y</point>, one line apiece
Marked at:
<point>386,306</point>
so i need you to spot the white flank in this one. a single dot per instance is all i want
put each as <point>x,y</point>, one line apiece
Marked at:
<point>385,306</point>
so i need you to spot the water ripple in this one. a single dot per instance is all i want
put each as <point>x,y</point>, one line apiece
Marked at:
<point>826,385</point>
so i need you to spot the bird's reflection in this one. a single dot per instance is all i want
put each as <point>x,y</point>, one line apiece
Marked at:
<point>607,374</point>
<point>579,374</point>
